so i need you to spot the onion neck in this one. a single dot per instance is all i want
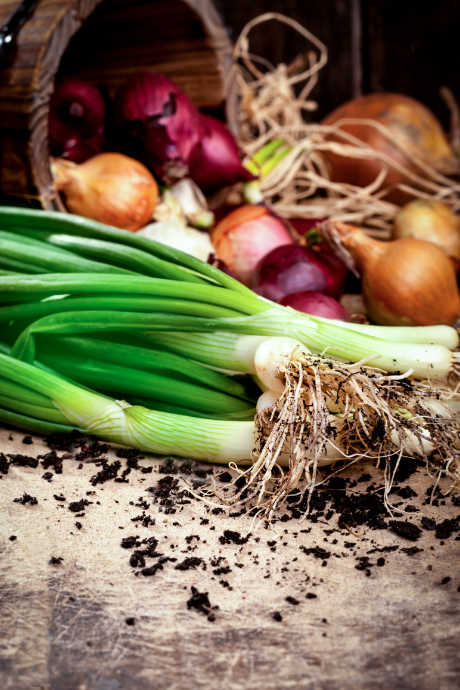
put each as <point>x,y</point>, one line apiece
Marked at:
<point>63,173</point>
<point>364,249</point>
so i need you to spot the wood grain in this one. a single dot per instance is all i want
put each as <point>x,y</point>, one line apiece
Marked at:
<point>63,627</point>
<point>412,49</point>
<point>105,42</point>
<point>330,20</point>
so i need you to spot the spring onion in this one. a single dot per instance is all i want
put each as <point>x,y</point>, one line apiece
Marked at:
<point>147,430</point>
<point>164,334</point>
<point>258,317</point>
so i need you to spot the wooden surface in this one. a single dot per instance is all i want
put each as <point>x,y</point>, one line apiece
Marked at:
<point>89,623</point>
<point>383,45</point>
<point>182,38</point>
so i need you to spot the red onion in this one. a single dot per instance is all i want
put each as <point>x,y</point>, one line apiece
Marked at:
<point>215,160</point>
<point>76,120</point>
<point>158,124</point>
<point>243,237</point>
<point>292,268</point>
<point>316,303</point>
<point>304,225</point>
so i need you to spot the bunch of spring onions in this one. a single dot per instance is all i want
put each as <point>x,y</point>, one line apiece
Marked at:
<point>140,344</point>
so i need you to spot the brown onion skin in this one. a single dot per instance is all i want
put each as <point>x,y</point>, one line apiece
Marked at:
<point>111,188</point>
<point>405,282</point>
<point>430,220</point>
<point>409,121</point>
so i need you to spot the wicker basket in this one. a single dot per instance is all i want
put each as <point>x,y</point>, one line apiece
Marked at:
<point>104,41</point>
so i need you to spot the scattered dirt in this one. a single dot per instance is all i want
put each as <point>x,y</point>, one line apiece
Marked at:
<point>348,511</point>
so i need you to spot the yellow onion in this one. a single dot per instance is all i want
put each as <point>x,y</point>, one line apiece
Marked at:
<point>430,220</point>
<point>408,122</point>
<point>110,188</point>
<point>405,282</point>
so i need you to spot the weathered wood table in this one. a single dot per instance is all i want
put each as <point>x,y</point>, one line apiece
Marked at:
<point>112,577</point>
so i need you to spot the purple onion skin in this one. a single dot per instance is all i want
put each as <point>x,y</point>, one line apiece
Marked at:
<point>215,160</point>
<point>158,124</point>
<point>76,120</point>
<point>292,268</point>
<point>316,303</point>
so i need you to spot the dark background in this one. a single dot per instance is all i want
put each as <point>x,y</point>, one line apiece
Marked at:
<point>373,45</point>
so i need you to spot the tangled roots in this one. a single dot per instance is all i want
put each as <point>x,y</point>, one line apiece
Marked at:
<point>331,412</point>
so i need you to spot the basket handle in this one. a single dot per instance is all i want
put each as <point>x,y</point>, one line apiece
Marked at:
<point>10,30</point>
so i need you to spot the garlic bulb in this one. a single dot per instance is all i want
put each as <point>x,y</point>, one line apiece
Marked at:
<point>176,234</point>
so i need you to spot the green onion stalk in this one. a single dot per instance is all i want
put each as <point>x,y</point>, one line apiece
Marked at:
<point>144,345</point>
<point>426,352</point>
<point>325,412</point>
<point>261,164</point>
<point>385,347</point>
<point>74,407</point>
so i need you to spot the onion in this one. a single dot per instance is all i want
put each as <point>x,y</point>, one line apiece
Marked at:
<point>405,282</point>
<point>178,235</point>
<point>158,124</point>
<point>409,122</point>
<point>316,303</point>
<point>110,187</point>
<point>215,160</point>
<point>292,268</point>
<point>244,236</point>
<point>76,120</point>
<point>302,226</point>
<point>193,203</point>
<point>214,260</point>
<point>429,220</point>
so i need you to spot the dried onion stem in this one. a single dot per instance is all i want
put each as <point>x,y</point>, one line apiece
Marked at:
<point>263,105</point>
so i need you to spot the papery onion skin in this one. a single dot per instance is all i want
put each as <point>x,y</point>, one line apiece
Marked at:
<point>110,188</point>
<point>176,234</point>
<point>316,303</point>
<point>429,220</point>
<point>158,124</point>
<point>76,120</point>
<point>244,236</point>
<point>293,268</point>
<point>409,122</point>
<point>405,282</point>
<point>215,160</point>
